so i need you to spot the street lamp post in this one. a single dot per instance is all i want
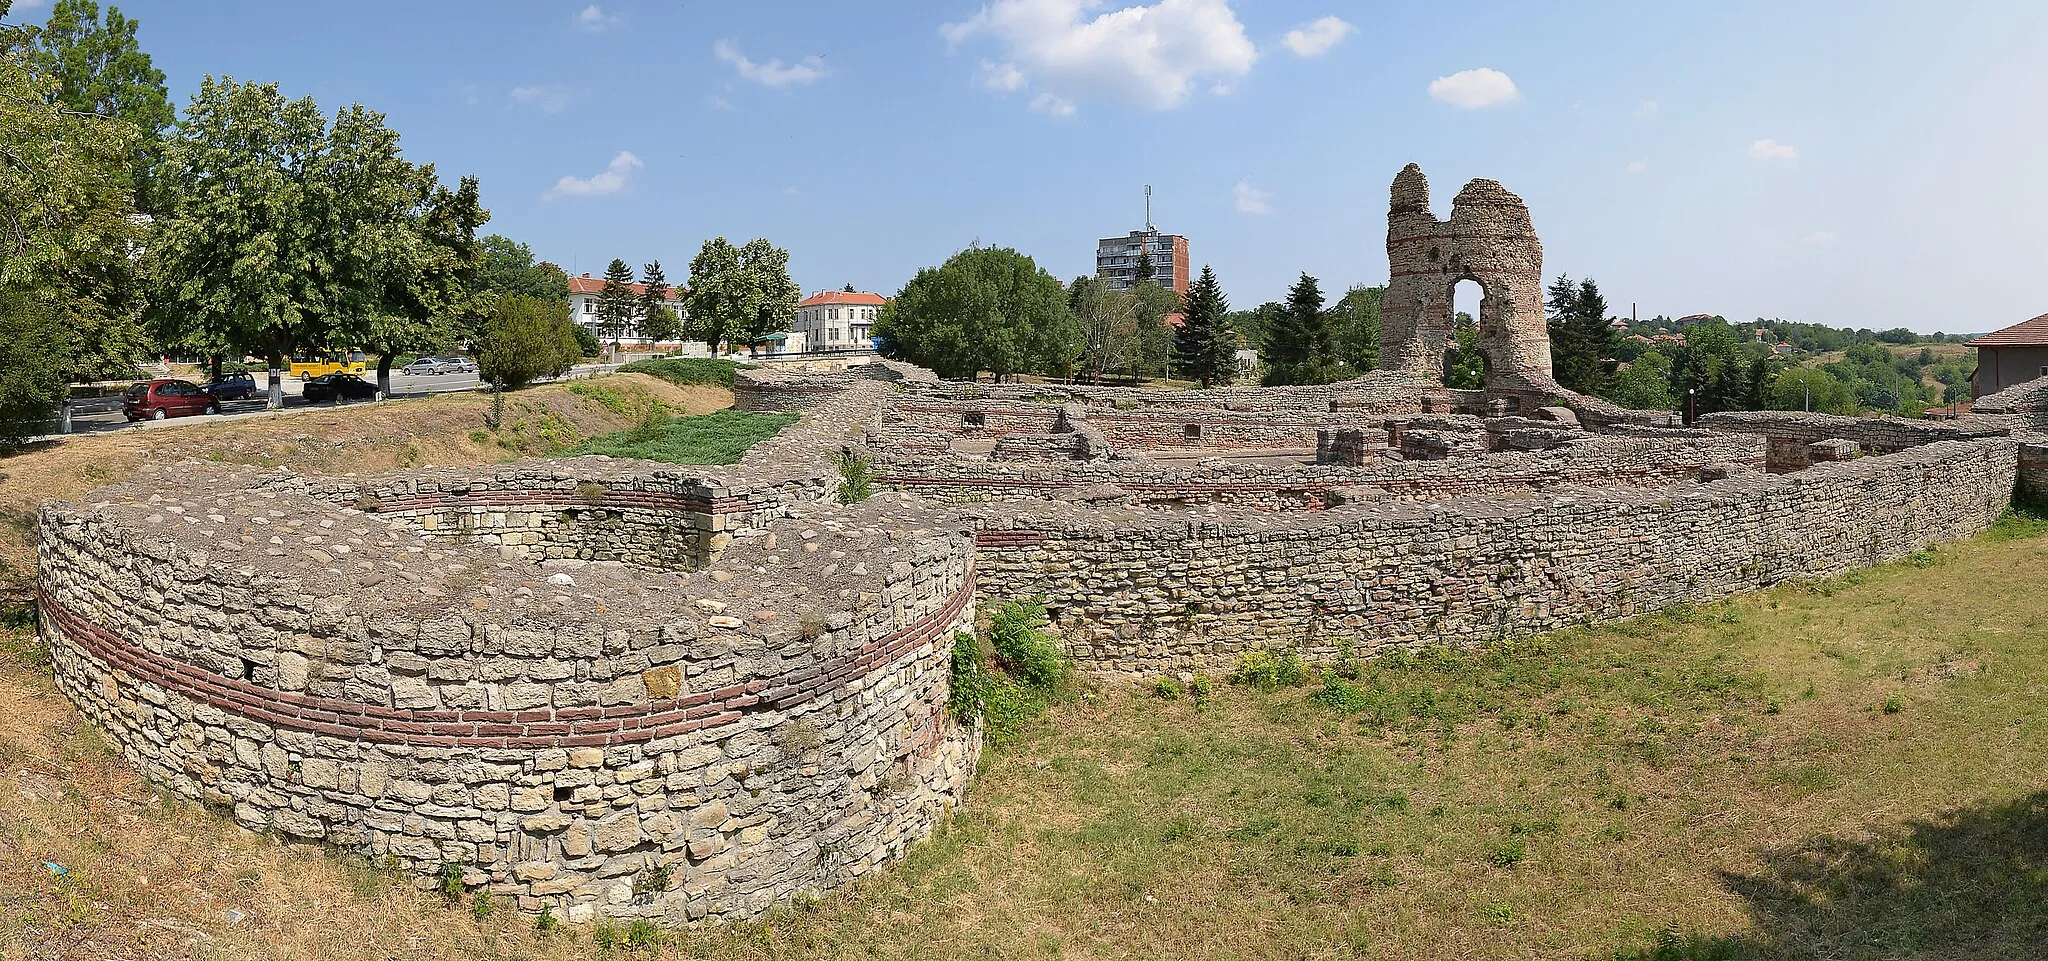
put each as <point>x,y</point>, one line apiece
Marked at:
<point>1689,414</point>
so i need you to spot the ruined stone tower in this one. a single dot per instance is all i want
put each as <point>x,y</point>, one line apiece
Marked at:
<point>1490,240</point>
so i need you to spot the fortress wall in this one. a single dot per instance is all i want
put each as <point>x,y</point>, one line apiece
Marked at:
<point>604,741</point>
<point>1139,592</point>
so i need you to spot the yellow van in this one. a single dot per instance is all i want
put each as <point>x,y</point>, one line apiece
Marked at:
<point>339,361</point>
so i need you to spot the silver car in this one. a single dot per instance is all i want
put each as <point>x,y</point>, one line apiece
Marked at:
<point>425,366</point>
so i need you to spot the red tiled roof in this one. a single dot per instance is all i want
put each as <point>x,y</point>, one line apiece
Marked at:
<point>836,298</point>
<point>2026,333</point>
<point>587,284</point>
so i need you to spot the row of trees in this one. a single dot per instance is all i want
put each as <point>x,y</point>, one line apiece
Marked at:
<point>734,296</point>
<point>994,309</point>
<point>260,224</point>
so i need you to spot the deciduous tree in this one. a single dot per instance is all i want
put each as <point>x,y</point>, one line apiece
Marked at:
<point>985,308</point>
<point>243,253</point>
<point>99,68</point>
<point>1356,319</point>
<point>737,294</point>
<point>508,268</point>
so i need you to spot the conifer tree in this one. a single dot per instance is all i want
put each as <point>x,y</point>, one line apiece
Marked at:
<point>1205,343</point>
<point>615,302</point>
<point>1143,273</point>
<point>1302,346</point>
<point>658,321</point>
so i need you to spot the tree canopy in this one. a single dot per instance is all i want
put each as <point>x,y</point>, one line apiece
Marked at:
<point>985,308</point>
<point>737,294</point>
<point>1206,345</point>
<point>99,68</point>
<point>507,268</point>
<point>1301,345</point>
<point>1582,342</point>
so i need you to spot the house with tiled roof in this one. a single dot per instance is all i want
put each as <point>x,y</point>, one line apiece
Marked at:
<point>2011,356</point>
<point>838,319</point>
<point>586,291</point>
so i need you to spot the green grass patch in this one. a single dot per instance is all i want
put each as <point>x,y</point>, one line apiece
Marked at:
<point>721,437</point>
<point>684,371</point>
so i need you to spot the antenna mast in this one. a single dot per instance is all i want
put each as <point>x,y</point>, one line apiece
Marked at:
<point>1148,208</point>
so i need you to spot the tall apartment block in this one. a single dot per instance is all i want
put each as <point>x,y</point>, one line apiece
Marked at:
<point>1116,259</point>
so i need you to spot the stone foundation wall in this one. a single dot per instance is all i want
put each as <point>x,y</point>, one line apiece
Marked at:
<point>606,741</point>
<point>1138,593</point>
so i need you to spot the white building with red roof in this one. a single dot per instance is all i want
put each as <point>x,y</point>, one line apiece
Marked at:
<point>838,319</point>
<point>586,291</point>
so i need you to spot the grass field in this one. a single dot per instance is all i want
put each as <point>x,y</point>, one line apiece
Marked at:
<point>720,437</point>
<point>1851,769</point>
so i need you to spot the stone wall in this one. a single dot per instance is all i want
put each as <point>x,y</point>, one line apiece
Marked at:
<point>1138,593</point>
<point>1792,433</point>
<point>605,740</point>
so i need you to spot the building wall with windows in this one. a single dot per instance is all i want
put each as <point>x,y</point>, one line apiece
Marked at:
<point>838,319</point>
<point>586,291</point>
<point>1116,259</point>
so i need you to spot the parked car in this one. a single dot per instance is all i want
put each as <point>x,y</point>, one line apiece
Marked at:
<point>338,387</point>
<point>158,399</point>
<point>425,366</point>
<point>232,387</point>
<point>460,365</point>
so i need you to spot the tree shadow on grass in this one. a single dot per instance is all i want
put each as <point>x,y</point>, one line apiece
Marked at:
<point>1972,885</point>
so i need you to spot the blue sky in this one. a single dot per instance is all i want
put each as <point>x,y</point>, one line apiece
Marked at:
<point>1855,163</point>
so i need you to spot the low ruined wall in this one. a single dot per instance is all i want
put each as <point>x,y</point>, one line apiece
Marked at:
<point>1138,592</point>
<point>606,741</point>
<point>1792,432</point>
<point>1636,461</point>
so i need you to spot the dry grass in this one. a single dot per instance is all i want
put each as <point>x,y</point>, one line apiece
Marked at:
<point>1844,770</point>
<point>444,430</point>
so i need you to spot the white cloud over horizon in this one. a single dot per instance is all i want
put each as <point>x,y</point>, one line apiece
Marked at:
<point>772,73</point>
<point>1767,151</point>
<point>1315,39</point>
<point>1474,89</point>
<point>1637,166</point>
<point>593,19</point>
<point>545,97</point>
<point>1149,57</point>
<point>615,178</point>
<point>1250,199</point>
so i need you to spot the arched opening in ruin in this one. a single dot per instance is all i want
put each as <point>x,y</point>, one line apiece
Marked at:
<point>1465,368</point>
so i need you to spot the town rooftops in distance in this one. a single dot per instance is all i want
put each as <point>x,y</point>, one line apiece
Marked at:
<point>841,298</point>
<point>2026,333</point>
<point>587,284</point>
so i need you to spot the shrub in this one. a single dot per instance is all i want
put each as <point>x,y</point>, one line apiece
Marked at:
<point>1007,678</point>
<point>1024,649</point>
<point>1200,689</point>
<point>856,477</point>
<point>586,342</point>
<point>34,344</point>
<point>1267,670</point>
<point>526,339</point>
<point>1167,688</point>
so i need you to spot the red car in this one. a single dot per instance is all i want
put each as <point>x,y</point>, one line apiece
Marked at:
<point>158,399</point>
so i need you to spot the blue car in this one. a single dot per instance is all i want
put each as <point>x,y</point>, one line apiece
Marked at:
<point>232,387</point>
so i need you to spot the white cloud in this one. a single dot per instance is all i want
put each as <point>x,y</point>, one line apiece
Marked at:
<point>545,97</point>
<point>717,102</point>
<point>1819,237</point>
<point>1316,39</point>
<point>593,19</point>
<point>1473,89</point>
<point>1002,77</point>
<point>1765,151</point>
<point>790,191</point>
<point>1647,110</point>
<point>1637,166</point>
<point>774,73</point>
<point>23,6</point>
<point>1053,104</point>
<point>1147,56</point>
<point>1252,200</point>
<point>611,181</point>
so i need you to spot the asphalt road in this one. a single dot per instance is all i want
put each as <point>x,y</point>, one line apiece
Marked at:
<point>104,414</point>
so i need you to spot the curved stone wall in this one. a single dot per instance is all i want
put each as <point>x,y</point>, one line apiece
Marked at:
<point>607,740</point>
